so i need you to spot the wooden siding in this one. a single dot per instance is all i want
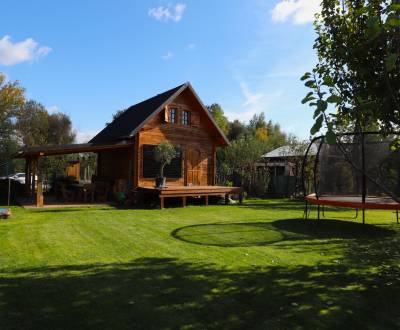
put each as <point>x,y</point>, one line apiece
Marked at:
<point>197,136</point>
<point>116,164</point>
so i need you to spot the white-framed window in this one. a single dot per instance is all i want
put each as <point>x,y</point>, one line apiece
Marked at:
<point>185,117</point>
<point>172,115</point>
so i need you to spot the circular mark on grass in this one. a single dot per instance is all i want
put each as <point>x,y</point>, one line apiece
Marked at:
<point>229,234</point>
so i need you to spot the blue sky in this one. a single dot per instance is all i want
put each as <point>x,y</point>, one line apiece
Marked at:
<point>91,58</point>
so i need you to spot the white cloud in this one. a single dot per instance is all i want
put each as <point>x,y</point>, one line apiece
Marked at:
<point>165,14</point>
<point>84,137</point>
<point>253,100</point>
<point>23,51</point>
<point>254,103</point>
<point>299,11</point>
<point>191,46</point>
<point>168,55</point>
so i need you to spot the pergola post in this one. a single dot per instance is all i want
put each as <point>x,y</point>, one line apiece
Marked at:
<point>33,170</point>
<point>28,177</point>
<point>39,193</point>
<point>37,187</point>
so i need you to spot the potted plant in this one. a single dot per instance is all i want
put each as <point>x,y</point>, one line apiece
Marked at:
<point>164,153</point>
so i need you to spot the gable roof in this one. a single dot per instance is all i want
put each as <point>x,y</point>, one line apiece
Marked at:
<point>288,151</point>
<point>132,120</point>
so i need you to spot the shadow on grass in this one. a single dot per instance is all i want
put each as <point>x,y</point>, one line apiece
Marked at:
<point>292,205</point>
<point>272,204</point>
<point>59,210</point>
<point>265,233</point>
<point>156,293</point>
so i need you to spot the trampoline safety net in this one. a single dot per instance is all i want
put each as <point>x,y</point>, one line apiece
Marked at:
<point>358,165</point>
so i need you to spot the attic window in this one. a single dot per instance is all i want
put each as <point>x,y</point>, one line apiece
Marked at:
<point>185,118</point>
<point>172,115</point>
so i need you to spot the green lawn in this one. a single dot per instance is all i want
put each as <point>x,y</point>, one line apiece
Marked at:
<point>255,266</point>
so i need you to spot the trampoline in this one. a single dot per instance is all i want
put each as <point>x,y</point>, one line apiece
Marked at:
<point>359,171</point>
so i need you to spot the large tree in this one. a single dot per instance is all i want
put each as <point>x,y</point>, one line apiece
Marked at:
<point>12,97</point>
<point>60,129</point>
<point>32,124</point>
<point>356,82</point>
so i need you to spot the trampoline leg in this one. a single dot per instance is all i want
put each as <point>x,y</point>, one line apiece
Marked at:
<point>397,216</point>
<point>323,211</point>
<point>356,216</point>
<point>363,216</point>
<point>305,215</point>
<point>319,211</point>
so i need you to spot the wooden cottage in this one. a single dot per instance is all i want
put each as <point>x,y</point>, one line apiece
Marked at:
<point>125,147</point>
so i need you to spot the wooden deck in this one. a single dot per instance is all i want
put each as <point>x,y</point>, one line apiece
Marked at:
<point>51,202</point>
<point>194,191</point>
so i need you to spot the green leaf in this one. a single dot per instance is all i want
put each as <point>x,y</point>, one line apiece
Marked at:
<point>317,125</point>
<point>393,7</point>
<point>317,112</point>
<point>395,145</point>
<point>305,76</point>
<point>392,20</point>
<point>309,97</point>
<point>310,83</point>
<point>330,137</point>
<point>334,99</point>
<point>328,81</point>
<point>322,105</point>
<point>391,62</point>
<point>373,27</point>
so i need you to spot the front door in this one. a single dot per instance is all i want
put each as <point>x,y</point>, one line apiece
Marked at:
<point>193,173</point>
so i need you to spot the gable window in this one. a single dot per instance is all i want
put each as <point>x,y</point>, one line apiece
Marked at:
<point>172,115</point>
<point>185,117</point>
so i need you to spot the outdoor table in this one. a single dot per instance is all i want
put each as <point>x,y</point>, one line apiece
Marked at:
<point>79,190</point>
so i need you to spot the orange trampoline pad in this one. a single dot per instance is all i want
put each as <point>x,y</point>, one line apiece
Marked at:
<point>355,202</point>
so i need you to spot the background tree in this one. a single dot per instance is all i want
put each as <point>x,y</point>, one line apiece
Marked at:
<point>117,114</point>
<point>60,132</point>
<point>358,71</point>
<point>12,97</point>
<point>218,114</point>
<point>239,163</point>
<point>237,130</point>
<point>32,124</point>
<point>60,129</point>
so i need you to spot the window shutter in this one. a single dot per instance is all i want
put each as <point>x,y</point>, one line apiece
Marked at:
<point>151,168</point>
<point>195,118</point>
<point>166,115</point>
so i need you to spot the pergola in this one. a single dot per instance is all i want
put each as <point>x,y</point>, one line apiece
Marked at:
<point>33,154</point>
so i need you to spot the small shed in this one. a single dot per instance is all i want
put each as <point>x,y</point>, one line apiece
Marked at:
<point>284,166</point>
<point>284,160</point>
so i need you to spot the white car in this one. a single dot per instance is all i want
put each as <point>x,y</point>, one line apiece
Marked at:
<point>20,177</point>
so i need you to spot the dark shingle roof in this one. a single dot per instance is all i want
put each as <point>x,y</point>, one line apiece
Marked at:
<point>124,126</point>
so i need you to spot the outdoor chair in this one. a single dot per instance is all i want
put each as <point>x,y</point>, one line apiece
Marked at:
<point>67,195</point>
<point>88,192</point>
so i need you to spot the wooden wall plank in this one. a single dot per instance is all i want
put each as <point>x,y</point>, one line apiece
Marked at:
<point>187,137</point>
